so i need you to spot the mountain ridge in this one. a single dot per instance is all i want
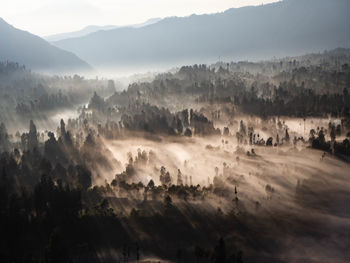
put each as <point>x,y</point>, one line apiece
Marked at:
<point>94,28</point>
<point>289,27</point>
<point>36,53</point>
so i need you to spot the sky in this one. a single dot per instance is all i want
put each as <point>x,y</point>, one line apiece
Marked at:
<point>47,17</point>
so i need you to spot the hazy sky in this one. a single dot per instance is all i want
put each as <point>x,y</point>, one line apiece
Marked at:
<point>46,17</point>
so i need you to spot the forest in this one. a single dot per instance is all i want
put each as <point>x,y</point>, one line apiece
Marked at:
<point>230,162</point>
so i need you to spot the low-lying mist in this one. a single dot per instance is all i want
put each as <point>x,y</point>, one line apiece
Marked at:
<point>227,163</point>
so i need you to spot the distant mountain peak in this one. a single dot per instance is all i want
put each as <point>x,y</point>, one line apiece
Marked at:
<point>35,53</point>
<point>94,28</point>
<point>285,28</point>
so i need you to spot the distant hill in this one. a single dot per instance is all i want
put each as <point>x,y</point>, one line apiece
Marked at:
<point>91,29</point>
<point>285,28</point>
<point>36,53</point>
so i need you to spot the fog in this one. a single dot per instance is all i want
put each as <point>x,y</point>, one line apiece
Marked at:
<point>308,189</point>
<point>228,162</point>
<point>208,138</point>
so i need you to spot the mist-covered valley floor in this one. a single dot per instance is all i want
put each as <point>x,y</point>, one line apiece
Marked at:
<point>230,162</point>
<point>287,197</point>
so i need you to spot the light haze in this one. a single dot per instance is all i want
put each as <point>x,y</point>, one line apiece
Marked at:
<point>47,17</point>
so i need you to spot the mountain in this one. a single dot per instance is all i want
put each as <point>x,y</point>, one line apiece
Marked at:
<point>284,28</point>
<point>91,29</point>
<point>36,53</point>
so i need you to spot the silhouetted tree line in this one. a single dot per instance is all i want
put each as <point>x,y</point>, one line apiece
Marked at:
<point>27,94</point>
<point>312,85</point>
<point>148,118</point>
<point>50,211</point>
<point>317,139</point>
<point>305,103</point>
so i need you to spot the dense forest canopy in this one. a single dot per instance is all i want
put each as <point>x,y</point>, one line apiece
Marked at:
<point>229,162</point>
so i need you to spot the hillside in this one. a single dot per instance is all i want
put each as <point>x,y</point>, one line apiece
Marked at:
<point>285,28</point>
<point>36,53</point>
